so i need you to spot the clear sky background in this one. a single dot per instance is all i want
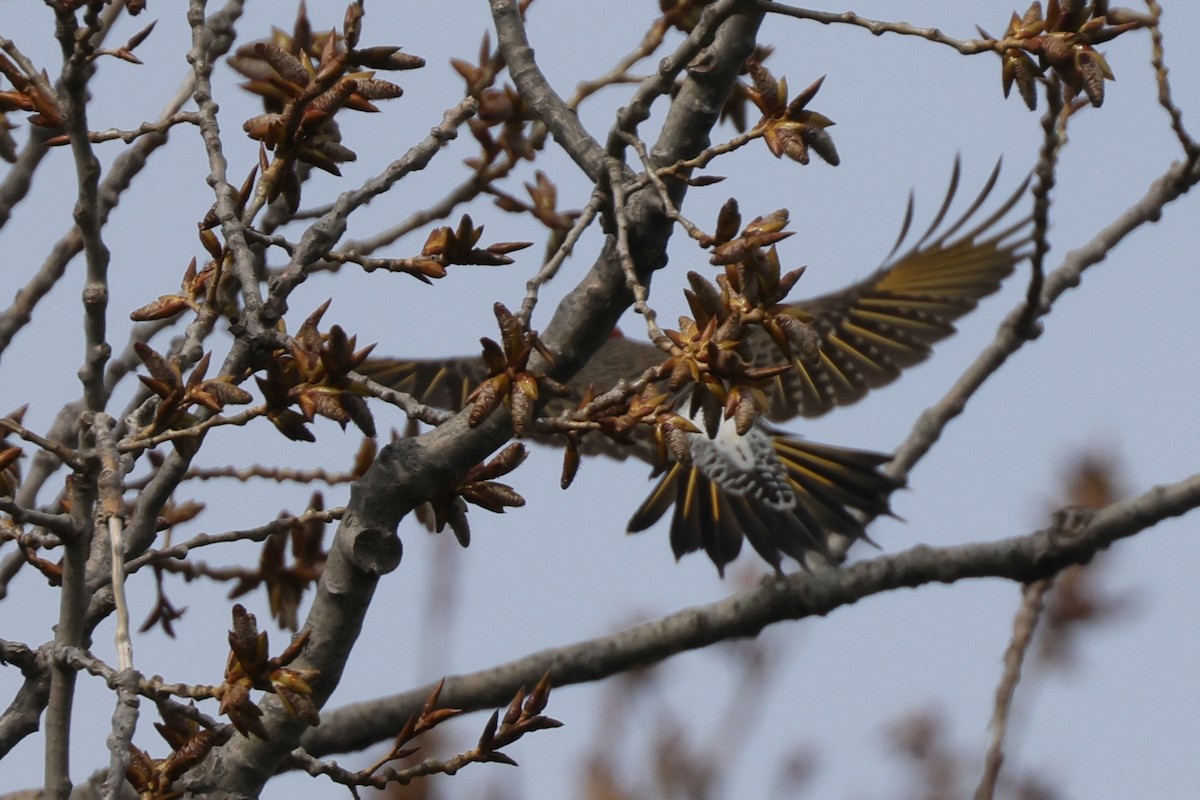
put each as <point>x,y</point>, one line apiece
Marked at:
<point>1114,371</point>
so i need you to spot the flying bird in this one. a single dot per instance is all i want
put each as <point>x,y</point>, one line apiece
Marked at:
<point>783,494</point>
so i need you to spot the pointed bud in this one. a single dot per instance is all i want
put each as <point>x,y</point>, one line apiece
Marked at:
<point>803,337</point>
<point>677,441</point>
<point>570,466</point>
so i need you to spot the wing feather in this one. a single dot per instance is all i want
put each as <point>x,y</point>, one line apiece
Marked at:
<point>868,332</point>
<point>829,483</point>
<point>871,330</point>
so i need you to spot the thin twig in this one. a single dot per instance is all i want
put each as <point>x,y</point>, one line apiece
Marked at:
<point>67,455</point>
<point>414,408</point>
<point>277,474</point>
<point>1024,625</point>
<point>158,126</point>
<point>464,192</point>
<point>131,445</point>
<point>551,267</point>
<point>619,73</point>
<point>181,550</point>
<point>880,27</point>
<point>635,286</point>
<point>153,688</point>
<point>233,224</point>
<point>326,231</point>
<point>1158,61</point>
<point>112,509</point>
<point>663,81</point>
<point>1054,136</point>
<point>693,230</point>
<point>687,165</point>
<point>11,533</point>
<point>61,524</point>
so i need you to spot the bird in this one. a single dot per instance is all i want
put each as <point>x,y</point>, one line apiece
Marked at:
<point>785,495</point>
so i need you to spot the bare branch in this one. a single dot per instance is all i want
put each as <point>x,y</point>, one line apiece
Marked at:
<point>112,508</point>
<point>158,126</point>
<point>805,594</point>
<point>1158,61</point>
<point>550,268</point>
<point>1024,626</point>
<point>1170,185</point>
<point>325,232</point>
<point>196,431</point>
<point>233,225</point>
<point>625,256</point>
<point>878,27</point>
<point>181,550</point>
<point>1054,134</point>
<point>551,109</point>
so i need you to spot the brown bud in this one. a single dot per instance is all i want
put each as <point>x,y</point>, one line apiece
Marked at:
<point>285,65</point>
<point>571,461</point>
<point>803,337</point>
<point>486,398</point>
<point>1056,50</point>
<point>166,306</point>
<point>821,143</point>
<point>522,410</point>
<point>386,57</point>
<point>678,442</point>
<point>1092,70</point>
<point>728,221</point>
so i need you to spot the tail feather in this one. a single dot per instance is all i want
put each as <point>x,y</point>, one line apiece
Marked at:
<point>834,489</point>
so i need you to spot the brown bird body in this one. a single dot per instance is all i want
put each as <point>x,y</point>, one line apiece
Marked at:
<point>783,494</point>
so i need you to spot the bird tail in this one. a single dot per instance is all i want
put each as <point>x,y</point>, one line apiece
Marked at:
<point>835,489</point>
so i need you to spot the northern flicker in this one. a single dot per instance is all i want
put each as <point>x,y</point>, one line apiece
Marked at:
<point>782,494</point>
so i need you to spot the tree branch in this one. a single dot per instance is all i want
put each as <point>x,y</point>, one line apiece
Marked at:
<point>408,472</point>
<point>804,594</point>
<point>1024,626</point>
<point>878,27</point>
<point>551,109</point>
<point>1176,181</point>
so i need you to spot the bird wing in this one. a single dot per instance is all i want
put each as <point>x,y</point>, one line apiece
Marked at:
<point>438,382</point>
<point>447,383</point>
<point>867,333</point>
<point>871,330</point>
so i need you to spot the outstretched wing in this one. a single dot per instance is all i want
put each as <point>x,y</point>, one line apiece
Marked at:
<point>871,330</point>
<point>867,333</point>
<point>447,382</point>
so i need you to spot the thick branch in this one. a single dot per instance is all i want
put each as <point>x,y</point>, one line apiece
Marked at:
<point>408,472</point>
<point>805,594</point>
<point>551,109</point>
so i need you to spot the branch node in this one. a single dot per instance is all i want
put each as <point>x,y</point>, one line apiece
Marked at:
<point>376,551</point>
